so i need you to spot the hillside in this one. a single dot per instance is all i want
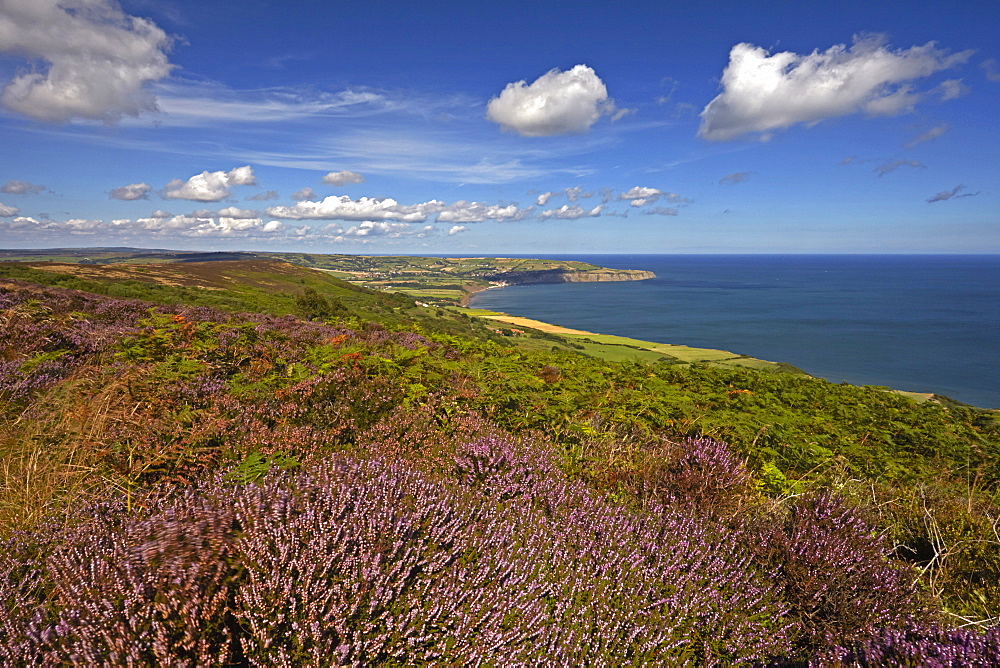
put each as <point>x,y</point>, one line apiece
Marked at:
<point>178,437</point>
<point>275,286</point>
<point>441,281</point>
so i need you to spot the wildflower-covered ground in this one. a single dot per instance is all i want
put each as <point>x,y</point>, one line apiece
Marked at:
<point>190,486</point>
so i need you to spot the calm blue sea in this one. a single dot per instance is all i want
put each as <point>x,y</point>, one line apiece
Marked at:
<point>927,323</point>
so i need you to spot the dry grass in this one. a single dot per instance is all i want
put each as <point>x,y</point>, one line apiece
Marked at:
<point>55,456</point>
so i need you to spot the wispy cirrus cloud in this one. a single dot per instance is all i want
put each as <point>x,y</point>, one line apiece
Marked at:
<point>429,137</point>
<point>952,89</point>
<point>263,197</point>
<point>954,193</point>
<point>448,157</point>
<point>928,135</point>
<point>187,103</point>
<point>991,69</point>
<point>893,165</point>
<point>377,132</point>
<point>734,178</point>
<point>661,211</point>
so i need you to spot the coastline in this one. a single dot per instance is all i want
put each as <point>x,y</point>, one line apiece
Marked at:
<point>685,354</point>
<point>600,344</point>
<point>470,290</point>
<point>919,323</point>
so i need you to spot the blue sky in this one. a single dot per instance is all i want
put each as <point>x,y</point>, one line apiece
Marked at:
<point>501,128</point>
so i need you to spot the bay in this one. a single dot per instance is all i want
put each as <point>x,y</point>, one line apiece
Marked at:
<point>924,323</point>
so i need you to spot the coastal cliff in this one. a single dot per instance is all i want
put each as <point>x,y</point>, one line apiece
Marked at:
<point>533,277</point>
<point>566,276</point>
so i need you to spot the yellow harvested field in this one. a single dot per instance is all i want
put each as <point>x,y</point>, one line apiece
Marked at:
<point>536,324</point>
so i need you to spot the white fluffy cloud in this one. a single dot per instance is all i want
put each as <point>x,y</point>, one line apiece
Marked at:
<point>572,194</point>
<point>544,198</point>
<point>14,187</point>
<point>225,223</point>
<point>367,208</point>
<point>342,207</point>
<point>343,178</point>
<point>371,228</point>
<point>156,227</point>
<point>567,212</point>
<point>209,186</point>
<point>456,229</point>
<point>132,191</point>
<point>99,59</point>
<point>557,103</point>
<point>365,232</point>
<point>8,211</point>
<point>195,225</point>
<point>642,195</point>
<point>763,92</point>
<point>477,212</point>
<point>233,212</point>
<point>25,222</point>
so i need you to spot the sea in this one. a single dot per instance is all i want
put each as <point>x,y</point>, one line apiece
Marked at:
<point>922,323</point>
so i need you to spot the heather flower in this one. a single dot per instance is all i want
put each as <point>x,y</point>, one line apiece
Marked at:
<point>373,562</point>
<point>925,645</point>
<point>835,572</point>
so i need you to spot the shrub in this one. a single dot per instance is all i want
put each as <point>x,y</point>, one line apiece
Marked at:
<point>370,562</point>
<point>699,473</point>
<point>835,573</point>
<point>926,645</point>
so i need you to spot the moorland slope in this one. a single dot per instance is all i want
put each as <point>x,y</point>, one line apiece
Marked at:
<point>257,463</point>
